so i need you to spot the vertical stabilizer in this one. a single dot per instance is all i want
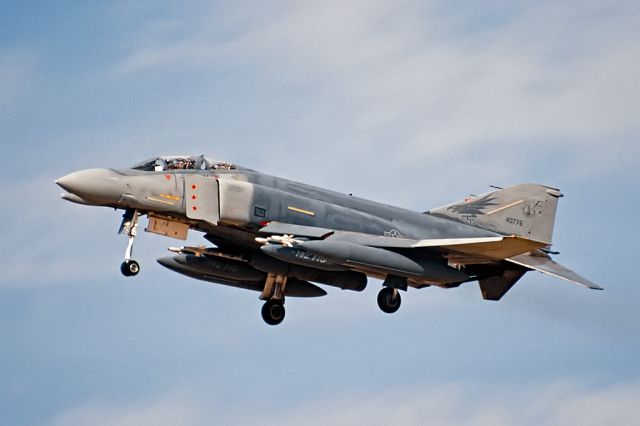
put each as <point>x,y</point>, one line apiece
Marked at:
<point>526,210</point>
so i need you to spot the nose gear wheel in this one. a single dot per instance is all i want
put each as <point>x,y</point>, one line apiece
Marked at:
<point>129,268</point>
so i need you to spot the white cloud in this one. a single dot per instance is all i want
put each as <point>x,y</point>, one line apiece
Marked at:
<point>164,411</point>
<point>406,85</point>
<point>464,404</point>
<point>396,101</point>
<point>558,403</point>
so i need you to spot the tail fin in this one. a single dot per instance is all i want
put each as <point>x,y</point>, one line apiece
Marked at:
<point>527,210</point>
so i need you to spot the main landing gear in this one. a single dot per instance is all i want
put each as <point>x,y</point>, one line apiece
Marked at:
<point>389,297</point>
<point>273,312</point>
<point>389,300</point>
<point>129,226</point>
<point>273,293</point>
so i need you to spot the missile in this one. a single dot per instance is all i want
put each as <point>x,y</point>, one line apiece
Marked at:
<point>384,261</point>
<point>284,240</point>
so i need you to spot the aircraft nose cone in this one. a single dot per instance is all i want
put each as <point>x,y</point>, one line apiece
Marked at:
<point>64,181</point>
<point>98,186</point>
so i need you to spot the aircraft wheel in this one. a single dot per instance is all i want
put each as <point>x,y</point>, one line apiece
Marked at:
<point>130,268</point>
<point>273,312</point>
<point>389,300</point>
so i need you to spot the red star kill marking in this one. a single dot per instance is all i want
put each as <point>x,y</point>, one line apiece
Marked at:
<point>194,197</point>
<point>194,186</point>
<point>194,208</point>
<point>167,177</point>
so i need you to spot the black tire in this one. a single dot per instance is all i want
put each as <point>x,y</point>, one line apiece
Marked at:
<point>273,312</point>
<point>389,300</point>
<point>130,268</point>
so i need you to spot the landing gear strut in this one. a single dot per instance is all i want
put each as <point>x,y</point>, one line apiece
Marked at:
<point>389,300</point>
<point>129,226</point>
<point>273,294</point>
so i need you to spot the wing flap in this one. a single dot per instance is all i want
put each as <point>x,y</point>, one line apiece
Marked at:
<point>548,266</point>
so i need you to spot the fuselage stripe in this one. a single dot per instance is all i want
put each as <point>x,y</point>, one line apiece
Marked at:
<point>295,209</point>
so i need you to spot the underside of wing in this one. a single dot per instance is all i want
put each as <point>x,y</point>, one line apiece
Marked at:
<point>547,266</point>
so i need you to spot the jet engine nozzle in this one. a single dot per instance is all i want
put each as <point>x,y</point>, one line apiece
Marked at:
<point>95,186</point>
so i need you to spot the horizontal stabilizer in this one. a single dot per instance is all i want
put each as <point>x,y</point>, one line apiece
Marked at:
<point>548,266</point>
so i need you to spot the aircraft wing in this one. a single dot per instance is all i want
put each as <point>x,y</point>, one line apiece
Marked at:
<point>494,248</point>
<point>548,266</point>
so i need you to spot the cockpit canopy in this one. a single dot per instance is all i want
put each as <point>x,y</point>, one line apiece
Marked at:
<point>182,162</point>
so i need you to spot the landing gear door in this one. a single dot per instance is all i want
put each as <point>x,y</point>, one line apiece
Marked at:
<point>201,198</point>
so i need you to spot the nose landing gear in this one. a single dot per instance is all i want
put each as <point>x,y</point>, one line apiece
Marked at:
<point>129,226</point>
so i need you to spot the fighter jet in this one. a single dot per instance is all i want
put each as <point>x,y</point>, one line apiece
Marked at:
<point>277,237</point>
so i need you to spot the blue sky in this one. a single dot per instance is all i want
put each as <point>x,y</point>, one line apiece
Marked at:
<point>412,103</point>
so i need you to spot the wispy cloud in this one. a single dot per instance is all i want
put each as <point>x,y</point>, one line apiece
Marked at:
<point>406,102</point>
<point>407,86</point>
<point>167,411</point>
<point>457,404</point>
